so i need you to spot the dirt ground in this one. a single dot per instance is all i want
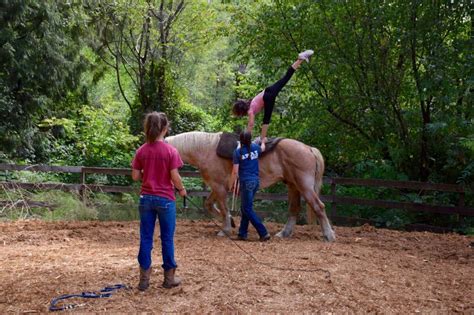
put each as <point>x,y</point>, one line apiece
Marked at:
<point>365,270</point>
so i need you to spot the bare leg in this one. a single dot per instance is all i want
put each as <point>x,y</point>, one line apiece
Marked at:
<point>294,209</point>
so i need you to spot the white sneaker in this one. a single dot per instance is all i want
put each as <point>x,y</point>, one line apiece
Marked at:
<point>305,55</point>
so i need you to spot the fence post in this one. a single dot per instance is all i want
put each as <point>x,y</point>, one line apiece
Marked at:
<point>460,203</point>
<point>333,198</point>
<point>461,199</point>
<point>204,198</point>
<point>83,184</point>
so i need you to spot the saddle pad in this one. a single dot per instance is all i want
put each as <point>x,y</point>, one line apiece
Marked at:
<point>229,141</point>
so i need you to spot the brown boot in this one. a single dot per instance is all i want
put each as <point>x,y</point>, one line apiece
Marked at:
<point>144,279</point>
<point>170,279</point>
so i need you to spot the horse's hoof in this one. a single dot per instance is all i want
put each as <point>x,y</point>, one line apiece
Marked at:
<point>283,234</point>
<point>329,238</point>
<point>223,233</point>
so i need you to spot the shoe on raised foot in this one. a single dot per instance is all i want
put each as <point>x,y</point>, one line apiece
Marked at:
<point>305,55</point>
<point>265,238</point>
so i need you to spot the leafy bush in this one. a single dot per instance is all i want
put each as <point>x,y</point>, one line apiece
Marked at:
<point>116,207</point>
<point>67,206</point>
<point>64,205</point>
<point>187,117</point>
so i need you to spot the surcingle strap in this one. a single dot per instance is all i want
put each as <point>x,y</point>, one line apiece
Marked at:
<point>229,141</point>
<point>227,144</point>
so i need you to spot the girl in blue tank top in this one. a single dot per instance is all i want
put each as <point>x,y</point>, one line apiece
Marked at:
<point>245,161</point>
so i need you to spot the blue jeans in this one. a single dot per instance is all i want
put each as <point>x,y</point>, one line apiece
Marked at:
<point>248,189</point>
<point>150,207</point>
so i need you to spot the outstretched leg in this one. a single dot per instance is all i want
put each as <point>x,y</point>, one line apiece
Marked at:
<point>294,207</point>
<point>271,92</point>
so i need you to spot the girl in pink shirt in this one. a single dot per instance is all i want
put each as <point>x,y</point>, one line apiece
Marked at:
<point>266,99</point>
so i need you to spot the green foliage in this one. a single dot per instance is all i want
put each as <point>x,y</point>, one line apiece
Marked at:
<point>64,206</point>
<point>67,206</point>
<point>104,142</point>
<point>30,177</point>
<point>188,117</point>
<point>146,44</point>
<point>97,138</point>
<point>387,94</point>
<point>40,63</point>
<point>364,95</point>
<point>115,207</point>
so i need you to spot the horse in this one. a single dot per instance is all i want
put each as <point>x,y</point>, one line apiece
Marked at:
<point>298,165</point>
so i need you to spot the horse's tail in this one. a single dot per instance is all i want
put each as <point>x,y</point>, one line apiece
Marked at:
<point>318,176</point>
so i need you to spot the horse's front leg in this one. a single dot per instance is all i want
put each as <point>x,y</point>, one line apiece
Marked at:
<point>294,208</point>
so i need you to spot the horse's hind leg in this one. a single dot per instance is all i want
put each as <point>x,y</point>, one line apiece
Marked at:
<point>228,222</point>
<point>210,206</point>
<point>219,195</point>
<point>294,208</point>
<point>318,207</point>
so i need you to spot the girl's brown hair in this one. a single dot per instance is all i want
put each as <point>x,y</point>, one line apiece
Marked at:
<point>155,123</point>
<point>245,141</point>
<point>241,107</point>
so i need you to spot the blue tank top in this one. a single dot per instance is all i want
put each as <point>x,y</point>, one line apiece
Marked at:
<point>248,162</point>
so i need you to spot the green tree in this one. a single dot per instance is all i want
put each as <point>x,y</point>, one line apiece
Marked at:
<point>40,64</point>
<point>146,42</point>
<point>389,80</point>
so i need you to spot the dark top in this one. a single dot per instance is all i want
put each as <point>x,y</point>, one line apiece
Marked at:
<point>248,162</point>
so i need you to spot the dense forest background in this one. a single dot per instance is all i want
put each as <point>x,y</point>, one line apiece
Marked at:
<point>387,94</point>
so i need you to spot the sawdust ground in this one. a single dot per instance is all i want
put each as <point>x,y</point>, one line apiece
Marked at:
<point>365,270</point>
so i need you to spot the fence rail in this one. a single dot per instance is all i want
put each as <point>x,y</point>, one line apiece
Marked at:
<point>333,199</point>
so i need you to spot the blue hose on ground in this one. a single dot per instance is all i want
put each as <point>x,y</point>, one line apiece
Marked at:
<point>104,293</point>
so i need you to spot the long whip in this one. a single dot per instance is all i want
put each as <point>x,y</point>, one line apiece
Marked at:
<point>235,192</point>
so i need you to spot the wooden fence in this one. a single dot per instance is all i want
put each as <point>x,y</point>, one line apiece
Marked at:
<point>333,198</point>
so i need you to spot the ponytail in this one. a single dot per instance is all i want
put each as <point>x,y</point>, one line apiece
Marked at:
<point>155,123</point>
<point>245,140</point>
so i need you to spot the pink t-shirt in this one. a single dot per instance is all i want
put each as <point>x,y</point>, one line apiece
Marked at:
<point>257,104</point>
<point>156,160</point>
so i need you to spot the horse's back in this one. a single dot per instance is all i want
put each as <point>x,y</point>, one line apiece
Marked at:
<point>290,160</point>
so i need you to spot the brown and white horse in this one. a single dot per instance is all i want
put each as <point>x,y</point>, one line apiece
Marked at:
<point>299,166</point>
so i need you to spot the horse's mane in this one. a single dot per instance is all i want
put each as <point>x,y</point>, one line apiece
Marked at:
<point>194,141</point>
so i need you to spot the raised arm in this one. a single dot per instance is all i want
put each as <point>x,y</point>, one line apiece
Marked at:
<point>263,134</point>
<point>251,122</point>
